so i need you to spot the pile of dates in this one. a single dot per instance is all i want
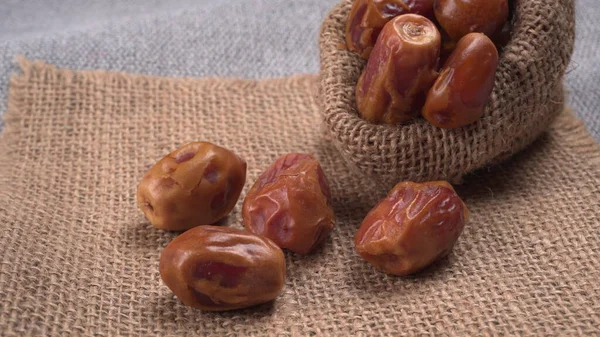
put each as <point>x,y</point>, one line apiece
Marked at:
<point>217,268</point>
<point>435,58</point>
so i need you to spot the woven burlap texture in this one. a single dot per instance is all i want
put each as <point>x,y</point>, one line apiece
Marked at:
<point>527,96</point>
<point>79,259</point>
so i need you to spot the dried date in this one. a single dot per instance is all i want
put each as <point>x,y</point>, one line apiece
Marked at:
<point>400,70</point>
<point>415,225</point>
<point>462,90</point>
<point>197,184</point>
<point>220,268</point>
<point>290,204</point>
<point>367,18</point>
<point>461,17</point>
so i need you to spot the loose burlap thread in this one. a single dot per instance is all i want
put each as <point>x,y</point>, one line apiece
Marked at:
<point>79,259</point>
<point>527,97</point>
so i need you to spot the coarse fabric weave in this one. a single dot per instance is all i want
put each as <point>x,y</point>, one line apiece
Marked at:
<point>79,259</point>
<point>527,96</point>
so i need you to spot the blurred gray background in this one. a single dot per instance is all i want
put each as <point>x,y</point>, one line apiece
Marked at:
<point>233,38</point>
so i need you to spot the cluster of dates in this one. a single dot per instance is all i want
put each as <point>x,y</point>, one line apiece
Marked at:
<point>444,73</point>
<point>218,268</point>
<point>222,268</point>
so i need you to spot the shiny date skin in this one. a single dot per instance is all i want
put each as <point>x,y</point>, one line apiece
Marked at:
<point>290,203</point>
<point>463,88</point>
<point>197,184</point>
<point>368,17</point>
<point>221,268</point>
<point>415,225</point>
<point>400,71</point>
<point>461,17</point>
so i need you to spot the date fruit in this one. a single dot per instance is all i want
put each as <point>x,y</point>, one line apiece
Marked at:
<point>197,184</point>
<point>415,225</point>
<point>367,18</point>
<point>463,88</point>
<point>461,17</point>
<point>222,268</point>
<point>401,69</point>
<point>290,203</point>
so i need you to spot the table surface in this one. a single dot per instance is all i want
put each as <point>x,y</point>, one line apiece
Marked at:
<point>199,38</point>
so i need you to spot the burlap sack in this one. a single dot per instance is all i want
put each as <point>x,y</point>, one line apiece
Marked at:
<point>79,259</point>
<point>527,96</point>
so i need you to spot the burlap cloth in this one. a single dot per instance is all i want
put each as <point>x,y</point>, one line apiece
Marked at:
<point>78,258</point>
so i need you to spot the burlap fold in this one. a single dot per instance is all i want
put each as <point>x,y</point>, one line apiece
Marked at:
<point>78,258</point>
<point>527,96</point>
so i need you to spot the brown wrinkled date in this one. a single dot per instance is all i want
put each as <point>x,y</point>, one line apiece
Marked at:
<point>198,184</point>
<point>401,69</point>
<point>290,204</point>
<point>462,90</point>
<point>367,18</point>
<point>461,17</point>
<point>221,268</point>
<point>415,225</point>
